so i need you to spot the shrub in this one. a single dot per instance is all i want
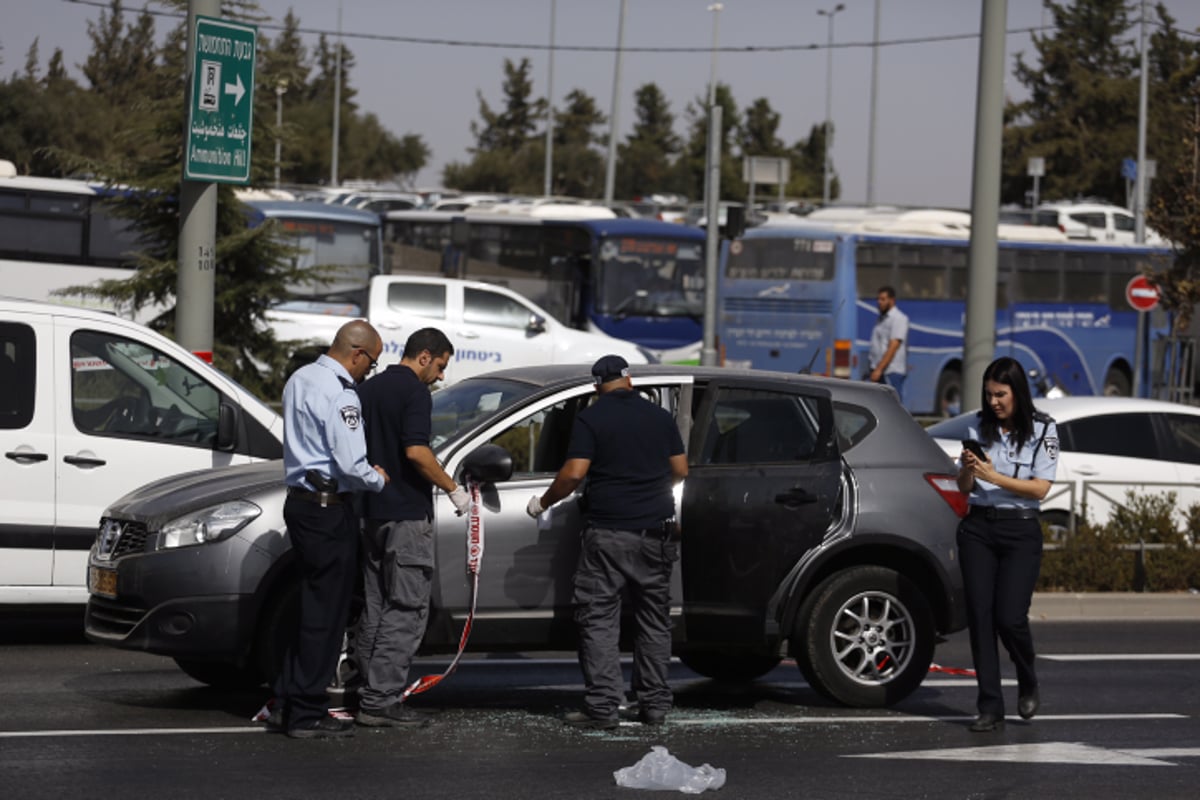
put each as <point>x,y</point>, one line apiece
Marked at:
<point>1093,559</point>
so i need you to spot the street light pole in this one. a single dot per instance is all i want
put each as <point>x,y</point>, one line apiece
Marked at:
<point>610,172</point>
<point>280,91</point>
<point>548,182</point>
<point>827,178</point>
<point>874,103</point>
<point>712,94</point>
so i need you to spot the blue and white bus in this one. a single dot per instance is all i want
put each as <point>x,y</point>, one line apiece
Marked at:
<point>802,298</point>
<point>633,279</point>
<point>56,233</point>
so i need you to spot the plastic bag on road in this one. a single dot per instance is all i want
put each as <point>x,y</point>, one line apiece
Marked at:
<point>660,770</point>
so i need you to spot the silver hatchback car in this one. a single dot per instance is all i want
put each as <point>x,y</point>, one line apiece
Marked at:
<point>818,522</point>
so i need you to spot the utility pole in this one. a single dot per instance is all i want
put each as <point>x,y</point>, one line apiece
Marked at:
<point>874,102</point>
<point>610,171</point>
<point>979,341</point>
<point>548,181</point>
<point>337,102</point>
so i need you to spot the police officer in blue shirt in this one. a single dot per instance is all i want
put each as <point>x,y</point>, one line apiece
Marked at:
<point>631,452</point>
<point>1007,466</point>
<point>325,462</point>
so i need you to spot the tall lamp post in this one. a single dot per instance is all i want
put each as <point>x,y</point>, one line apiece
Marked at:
<point>712,90</point>
<point>280,91</point>
<point>827,177</point>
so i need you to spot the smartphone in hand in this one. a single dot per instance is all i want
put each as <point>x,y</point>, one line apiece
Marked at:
<point>976,448</point>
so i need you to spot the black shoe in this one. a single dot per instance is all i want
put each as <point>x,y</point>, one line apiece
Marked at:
<point>274,723</point>
<point>1027,704</point>
<point>986,723</point>
<point>325,728</point>
<point>582,719</point>
<point>394,716</point>
<point>646,716</point>
<point>652,716</point>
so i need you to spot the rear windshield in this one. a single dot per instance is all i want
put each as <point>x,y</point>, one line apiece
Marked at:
<point>955,427</point>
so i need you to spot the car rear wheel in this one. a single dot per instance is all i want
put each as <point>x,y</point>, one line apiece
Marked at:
<point>865,637</point>
<point>1117,383</point>
<point>222,674</point>
<point>729,668</point>
<point>1058,524</point>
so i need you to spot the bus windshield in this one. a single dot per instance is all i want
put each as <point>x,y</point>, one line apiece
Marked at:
<point>649,277</point>
<point>347,254</point>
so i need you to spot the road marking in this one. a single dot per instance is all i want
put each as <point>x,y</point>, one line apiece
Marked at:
<point>130,732</point>
<point>1122,657</point>
<point>677,718</point>
<point>1050,753</point>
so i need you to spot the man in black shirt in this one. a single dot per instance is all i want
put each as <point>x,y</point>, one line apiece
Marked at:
<point>631,452</point>
<point>397,534</point>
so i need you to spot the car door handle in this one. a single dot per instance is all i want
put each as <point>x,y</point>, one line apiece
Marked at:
<point>1086,470</point>
<point>391,326</point>
<point>795,497</point>
<point>81,461</point>
<point>468,334</point>
<point>26,458</point>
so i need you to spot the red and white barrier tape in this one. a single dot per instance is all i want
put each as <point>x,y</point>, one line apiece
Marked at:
<point>474,562</point>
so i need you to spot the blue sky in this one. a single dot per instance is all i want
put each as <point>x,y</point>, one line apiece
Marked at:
<point>926,91</point>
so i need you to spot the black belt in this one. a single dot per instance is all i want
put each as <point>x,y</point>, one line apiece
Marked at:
<point>992,513</point>
<point>323,498</point>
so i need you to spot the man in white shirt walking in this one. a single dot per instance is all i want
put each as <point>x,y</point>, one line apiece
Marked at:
<point>888,356</point>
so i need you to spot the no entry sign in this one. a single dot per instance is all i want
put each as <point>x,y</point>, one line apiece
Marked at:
<point>1141,294</point>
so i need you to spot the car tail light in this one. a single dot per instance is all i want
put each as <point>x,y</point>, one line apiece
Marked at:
<point>841,358</point>
<point>947,487</point>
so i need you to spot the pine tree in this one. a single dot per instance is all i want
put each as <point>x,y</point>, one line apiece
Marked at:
<point>644,160</point>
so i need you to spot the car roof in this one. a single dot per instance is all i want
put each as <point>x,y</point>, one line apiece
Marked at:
<point>569,374</point>
<point>1069,408</point>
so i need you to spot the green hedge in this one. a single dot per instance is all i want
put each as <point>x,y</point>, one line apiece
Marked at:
<point>1093,560</point>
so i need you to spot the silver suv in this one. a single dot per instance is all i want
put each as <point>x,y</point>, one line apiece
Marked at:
<point>818,521</point>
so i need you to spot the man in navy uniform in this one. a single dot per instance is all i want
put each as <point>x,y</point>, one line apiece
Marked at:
<point>631,452</point>
<point>325,462</point>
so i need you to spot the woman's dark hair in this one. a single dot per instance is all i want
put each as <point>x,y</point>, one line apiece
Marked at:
<point>1009,372</point>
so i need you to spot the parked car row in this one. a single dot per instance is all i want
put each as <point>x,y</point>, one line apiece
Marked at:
<point>1109,447</point>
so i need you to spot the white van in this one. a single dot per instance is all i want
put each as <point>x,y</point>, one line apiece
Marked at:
<point>1099,222</point>
<point>91,407</point>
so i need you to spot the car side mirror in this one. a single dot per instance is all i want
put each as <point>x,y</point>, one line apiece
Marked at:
<point>536,324</point>
<point>489,463</point>
<point>227,425</point>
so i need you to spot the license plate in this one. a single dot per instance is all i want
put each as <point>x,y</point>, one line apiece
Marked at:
<point>102,581</point>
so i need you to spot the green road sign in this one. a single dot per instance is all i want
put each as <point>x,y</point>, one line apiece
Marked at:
<point>220,114</point>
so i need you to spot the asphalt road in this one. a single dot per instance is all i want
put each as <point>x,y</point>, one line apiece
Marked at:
<point>1120,718</point>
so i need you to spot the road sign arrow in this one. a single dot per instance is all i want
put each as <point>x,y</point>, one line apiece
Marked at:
<point>237,90</point>
<point>1052,753</point>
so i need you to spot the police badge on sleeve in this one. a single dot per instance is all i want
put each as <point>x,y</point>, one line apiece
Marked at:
<point>352,417</point>
<point>1052,447</point>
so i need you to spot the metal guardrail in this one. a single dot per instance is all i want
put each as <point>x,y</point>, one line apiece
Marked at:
<point>1089,488</point>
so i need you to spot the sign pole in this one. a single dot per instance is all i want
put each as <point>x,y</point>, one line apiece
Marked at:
<point>196,261</point>
<point>221,56</point>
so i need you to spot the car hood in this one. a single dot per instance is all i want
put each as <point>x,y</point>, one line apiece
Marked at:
<point>179,494</point>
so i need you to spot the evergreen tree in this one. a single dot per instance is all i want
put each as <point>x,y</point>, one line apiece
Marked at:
<point>644,160</point>
<point>807,172</point>
<point>1081,115</point>
<point>505,153</point>
<point>578,166</point>
<point>690,167</point>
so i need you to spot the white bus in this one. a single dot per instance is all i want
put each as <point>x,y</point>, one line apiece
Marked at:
<point>56,233</point>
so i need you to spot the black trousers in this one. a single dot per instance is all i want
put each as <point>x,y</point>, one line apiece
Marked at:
<point>1000,562</point>
<point>610,561</point>
<point>326,543</point>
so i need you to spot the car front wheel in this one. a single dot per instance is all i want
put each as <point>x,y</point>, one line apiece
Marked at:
<point>865,637</point>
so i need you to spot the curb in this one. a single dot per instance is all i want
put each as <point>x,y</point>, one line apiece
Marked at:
<point>1058,607</point>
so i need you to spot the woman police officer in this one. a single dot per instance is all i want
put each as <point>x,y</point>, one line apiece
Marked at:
<point>1000,540</point>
